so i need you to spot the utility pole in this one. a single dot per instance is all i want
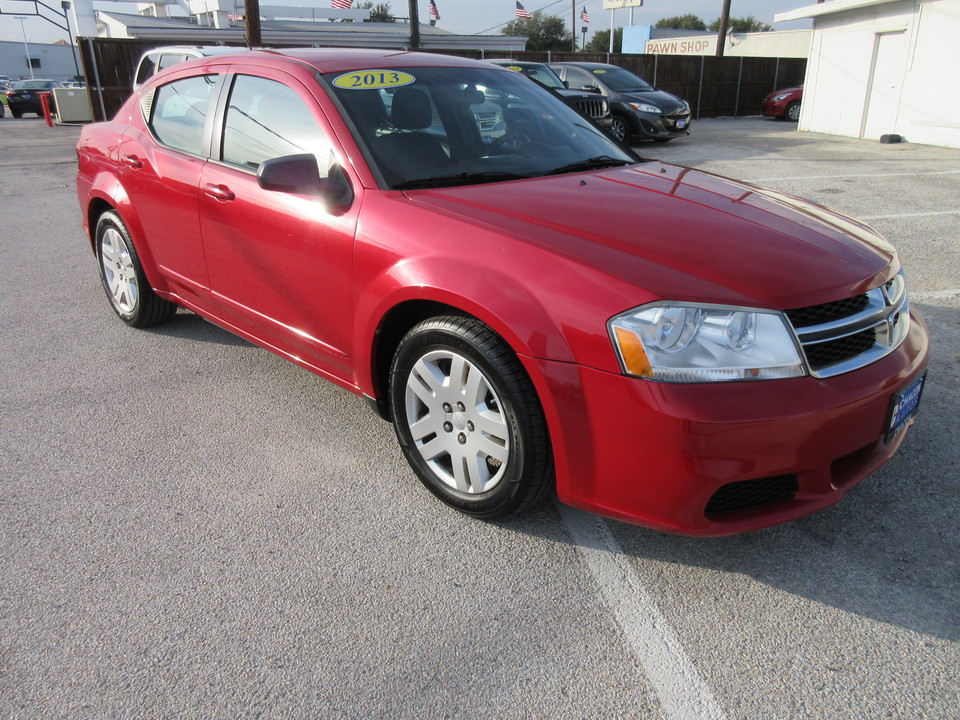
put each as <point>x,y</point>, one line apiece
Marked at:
<point>573,24</point>
<point>251,12</point>
<point>414,25</point>
<point>722,32</point>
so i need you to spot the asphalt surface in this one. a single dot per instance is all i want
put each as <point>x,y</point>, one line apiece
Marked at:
<point>194,528</point>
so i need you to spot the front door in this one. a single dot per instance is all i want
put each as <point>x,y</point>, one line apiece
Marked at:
<point>280,263</point>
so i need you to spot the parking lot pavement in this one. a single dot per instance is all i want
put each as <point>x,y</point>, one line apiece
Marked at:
<point>195,528</point>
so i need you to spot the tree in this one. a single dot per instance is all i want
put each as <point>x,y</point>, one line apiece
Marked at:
<point>681,22</point>
<point>742,25</point>
<point>543,32</point>
<point>600,42</point>
<point>380,13</point>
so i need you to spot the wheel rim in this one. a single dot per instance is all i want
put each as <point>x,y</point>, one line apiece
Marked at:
<point>793,112</point>
<point>118,271</point>
<point>619,129</point>
<point>457,422</point>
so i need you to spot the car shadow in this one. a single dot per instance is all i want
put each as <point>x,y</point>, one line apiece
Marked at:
<point>188,326</point>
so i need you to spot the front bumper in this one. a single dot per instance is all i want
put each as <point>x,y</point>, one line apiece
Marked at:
<point>655,454</point>
<point>655,126</point>
<point>769,108</point>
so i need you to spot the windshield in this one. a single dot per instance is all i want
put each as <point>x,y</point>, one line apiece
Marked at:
<point>542,74</point>
<point>622,80</point>
<point>437,127</point>
<point>32,85</point>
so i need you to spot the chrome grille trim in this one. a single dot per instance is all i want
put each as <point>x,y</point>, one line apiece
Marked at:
<point>887,314</point>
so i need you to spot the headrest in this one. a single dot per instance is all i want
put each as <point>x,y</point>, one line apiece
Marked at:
<point>411,109</point>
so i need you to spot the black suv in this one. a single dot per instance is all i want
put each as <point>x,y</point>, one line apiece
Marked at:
<point>586,103</point>
<point>639,110</point>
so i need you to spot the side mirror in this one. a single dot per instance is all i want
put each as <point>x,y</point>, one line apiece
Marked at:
<point>566,84</point>
<point>591,89</point>
<point>299,174</point>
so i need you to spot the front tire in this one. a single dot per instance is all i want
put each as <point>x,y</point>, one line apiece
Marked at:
<point>620,129</point>
<point>468,418</point>
<point>792,113</point>
<point>124,281</point>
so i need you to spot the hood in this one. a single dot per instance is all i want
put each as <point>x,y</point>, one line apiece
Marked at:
<point>682,234</point>
<point>783,92</point>
<point>665,101</point>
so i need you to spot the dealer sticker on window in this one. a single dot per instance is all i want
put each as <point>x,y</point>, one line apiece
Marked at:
<point>905,404</point>
<point>373,79</point>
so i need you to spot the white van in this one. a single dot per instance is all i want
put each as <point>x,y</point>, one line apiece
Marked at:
<point>153,61</point>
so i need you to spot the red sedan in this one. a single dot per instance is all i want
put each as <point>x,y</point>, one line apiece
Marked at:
<point>531,306</point>
<point>783,104</point>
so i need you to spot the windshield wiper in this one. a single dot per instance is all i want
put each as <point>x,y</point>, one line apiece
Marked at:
<point>594,163</point>
<point>467,178</point>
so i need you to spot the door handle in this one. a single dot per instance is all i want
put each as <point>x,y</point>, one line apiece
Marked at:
<point>132,161</point>
<point>219,192</point>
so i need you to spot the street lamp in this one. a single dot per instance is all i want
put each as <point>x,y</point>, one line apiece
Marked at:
<point>26,49</point>
<point>66,16</point>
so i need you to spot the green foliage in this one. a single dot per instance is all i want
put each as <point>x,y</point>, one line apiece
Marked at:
<point>543,32</point>
<point>742,25</point>
<point>681,22</point>
<point>600,42</point>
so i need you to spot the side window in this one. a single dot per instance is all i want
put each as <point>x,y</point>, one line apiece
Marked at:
<point>147,68</point>
<point>180,111</point>
<point>167,60</point>
<point>266,119</point>
<point>577,79</point>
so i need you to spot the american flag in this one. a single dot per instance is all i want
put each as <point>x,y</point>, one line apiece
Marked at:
<point>433,10</point>
<point>583,14</point>
<point>341,4</point>
<point>521,13</point>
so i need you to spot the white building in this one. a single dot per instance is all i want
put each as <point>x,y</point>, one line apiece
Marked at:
<point>56,61</point>
<point>882,67</point>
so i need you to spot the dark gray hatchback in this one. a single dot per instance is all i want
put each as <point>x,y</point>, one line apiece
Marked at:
<point>639,110</point>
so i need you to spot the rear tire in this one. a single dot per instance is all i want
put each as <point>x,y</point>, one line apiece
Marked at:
<point>16,113</point>
<point>468,418</point>
<point>124,281</point>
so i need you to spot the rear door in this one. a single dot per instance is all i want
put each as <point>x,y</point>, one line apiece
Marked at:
<point>161,156</point>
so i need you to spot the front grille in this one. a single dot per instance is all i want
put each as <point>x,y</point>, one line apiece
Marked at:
<point>748,494</point>
<point>828,312</point>
<point>847,334</point>
<point>592,108</point>
<point>825,354</point>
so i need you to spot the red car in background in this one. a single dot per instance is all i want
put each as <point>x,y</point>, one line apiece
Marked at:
<point>783,104</point>
<point>531,305</point>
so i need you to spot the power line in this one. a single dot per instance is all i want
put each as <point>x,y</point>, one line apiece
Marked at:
<point>556,2</point>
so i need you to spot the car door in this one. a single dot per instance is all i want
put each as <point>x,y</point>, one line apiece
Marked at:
<point>161,157</point>
<point>280,263</point>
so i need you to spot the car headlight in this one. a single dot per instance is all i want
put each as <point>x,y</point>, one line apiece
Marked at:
<point>643,107</point>
<point>673,342</point>
<point>778,98</point>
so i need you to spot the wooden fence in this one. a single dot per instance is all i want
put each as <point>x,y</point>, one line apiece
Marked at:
<point>714,87</point>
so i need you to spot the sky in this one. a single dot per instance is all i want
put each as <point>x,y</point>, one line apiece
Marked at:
<point>465,17</point>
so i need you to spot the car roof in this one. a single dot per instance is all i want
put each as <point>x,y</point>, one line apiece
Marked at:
<point>587,64</point>
<point>331,60</point>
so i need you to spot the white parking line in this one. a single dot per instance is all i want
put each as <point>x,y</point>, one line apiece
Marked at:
<point>910,215</point>
<point>859,175</point>
<point>682,692</point>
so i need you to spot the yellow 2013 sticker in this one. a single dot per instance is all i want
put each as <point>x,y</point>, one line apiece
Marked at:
<point>373,79</point>
<point>515,68</point>
<point>599,72</point>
